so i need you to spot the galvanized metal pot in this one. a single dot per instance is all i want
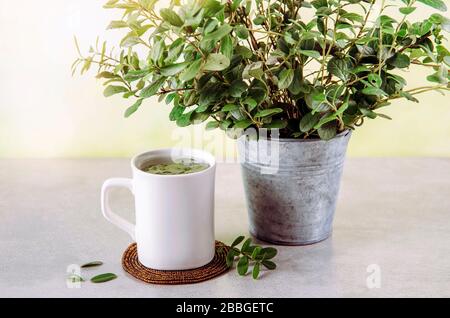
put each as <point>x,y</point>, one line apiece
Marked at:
<point>292,187</point>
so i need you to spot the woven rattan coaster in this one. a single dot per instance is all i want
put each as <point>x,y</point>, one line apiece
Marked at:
<point>216,267</point>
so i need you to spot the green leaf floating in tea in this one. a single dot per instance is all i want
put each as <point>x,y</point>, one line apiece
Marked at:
<point>182,166</point>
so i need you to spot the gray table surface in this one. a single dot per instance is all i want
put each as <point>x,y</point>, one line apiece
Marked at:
<point>393,214</point>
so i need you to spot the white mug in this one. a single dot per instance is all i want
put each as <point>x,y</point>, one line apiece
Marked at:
<point>174,213</point>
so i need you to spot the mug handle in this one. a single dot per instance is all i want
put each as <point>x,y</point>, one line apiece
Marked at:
<point>112,217</point>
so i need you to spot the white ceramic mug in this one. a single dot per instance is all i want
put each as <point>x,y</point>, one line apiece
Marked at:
<point>174,213</point>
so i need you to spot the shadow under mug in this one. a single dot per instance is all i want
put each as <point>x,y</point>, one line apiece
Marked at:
<point>174,227</point>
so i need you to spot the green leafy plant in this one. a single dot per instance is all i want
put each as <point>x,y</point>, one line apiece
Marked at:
<point>262,64</point>
<point>249,255</point>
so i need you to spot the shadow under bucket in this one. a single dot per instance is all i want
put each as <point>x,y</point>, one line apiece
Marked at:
<point>292,186</point>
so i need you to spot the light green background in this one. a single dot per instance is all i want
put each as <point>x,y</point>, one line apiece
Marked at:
<point>44,112</point>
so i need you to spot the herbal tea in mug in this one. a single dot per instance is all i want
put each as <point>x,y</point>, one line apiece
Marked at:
<point>178,166</point>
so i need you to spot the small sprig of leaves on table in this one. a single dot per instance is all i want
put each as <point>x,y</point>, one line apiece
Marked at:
<point>250,254</point>
<point>105,277</point>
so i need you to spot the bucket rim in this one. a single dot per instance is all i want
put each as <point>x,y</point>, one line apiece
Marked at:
<point>342,134</point>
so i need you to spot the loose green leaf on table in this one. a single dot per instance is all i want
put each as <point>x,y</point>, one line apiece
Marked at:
<point>103,278</point>
<point>92,264</point>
